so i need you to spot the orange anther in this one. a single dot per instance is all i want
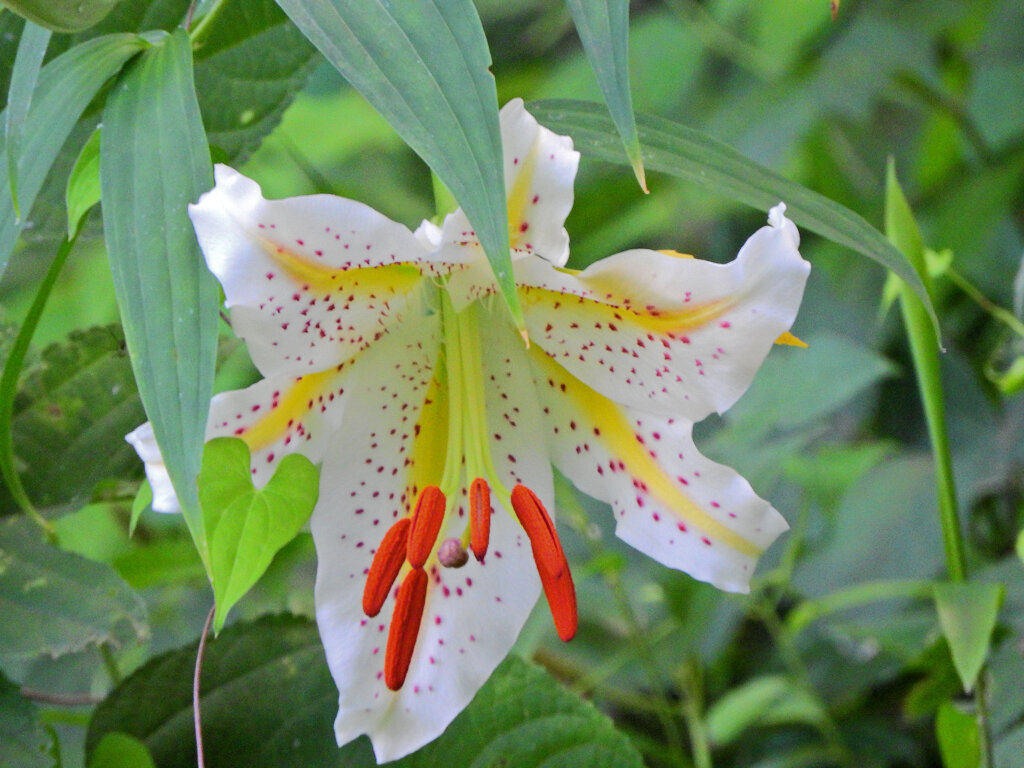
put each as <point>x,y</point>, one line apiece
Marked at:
<point>426,523</point>
<point>479,517</point>
<point>405,627</point>
<point>552,566</point>
<point>387,562</point>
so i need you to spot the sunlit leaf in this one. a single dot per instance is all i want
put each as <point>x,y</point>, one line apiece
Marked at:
<point>83,190</point>
<point>959,737</point>
<point>118,750</point>
<point>701,159</point>
<point>424,65</point>
<point>154,161</point>
<point>603,27</point>
<point>245,526</point>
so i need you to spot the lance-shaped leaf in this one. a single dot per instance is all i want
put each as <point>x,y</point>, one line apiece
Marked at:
<point>24,74</point>
<point>154,161</point>
<point>66,86</point>
<point>689,154</point>
<point>246,527</point>
<point>968,613</point>
<point>603,27</point>
<point>423,64</point>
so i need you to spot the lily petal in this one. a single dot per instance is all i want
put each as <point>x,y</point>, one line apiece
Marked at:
<point>472,615</point>
<point>311,280</point>
<point>143,441</point>
<point>670,502</point>
<point>678,336</point>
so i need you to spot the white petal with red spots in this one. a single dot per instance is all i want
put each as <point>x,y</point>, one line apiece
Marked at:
<point>673,335</point>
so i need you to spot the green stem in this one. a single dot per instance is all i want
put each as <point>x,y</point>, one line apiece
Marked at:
<point>999,313</point>
<point>693,713</point>
<point>110,663</point>
<point>9,386</point>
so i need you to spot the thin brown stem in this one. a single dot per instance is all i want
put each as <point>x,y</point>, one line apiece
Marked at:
<point>61,699</point>
<point>200,760</point>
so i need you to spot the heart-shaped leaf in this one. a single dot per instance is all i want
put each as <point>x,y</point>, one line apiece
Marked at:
<point>246,527</point>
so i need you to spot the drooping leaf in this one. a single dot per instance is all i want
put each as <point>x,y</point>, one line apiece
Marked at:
<point>603,27</point>
<point>521,717</point>
<point>762,701</point>
<point>154,161</point>
<point>246,527</point>
<point>701,159</point>
<point>423,64</point>
<point>79,394</point>
<point>66,86</point>
<point>968,613</point>
<point>250,62</point>
<point>62,15</point>
<point>959,737</point>
<point>23,741</point>
<point>24,74</point>
<point>55,602</point>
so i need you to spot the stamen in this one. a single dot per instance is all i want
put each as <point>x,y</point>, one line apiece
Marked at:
<point>552,566</point>
<point>387,562</point>
<point>452,554</point>
<point>426,524</point>
<point>479,517</point>
<point>405,627</point>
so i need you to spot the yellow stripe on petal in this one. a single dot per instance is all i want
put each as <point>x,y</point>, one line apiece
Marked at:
<point>651,319</point>
<point>676,254</point>
<point>430,439</point>
<point>519,195</point>
<point>386,278</point>
<point>619,438</point>
<point>290,408</point>
<point>789,340</point>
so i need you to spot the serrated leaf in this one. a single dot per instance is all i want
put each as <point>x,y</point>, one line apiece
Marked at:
<point>521,715</point>
<point>66,86</point>
<point>83,188</point>
<point>154,161</point>
<point>959,737</point>
<point>250,62</point>
<point>23,741</point>
<point>423,64</point>
<point>701,159</point>
<point>118,750</point>
<point>603,27</point>
<point>968,613</point>
<point>762,701</point>
<point>246,527</point>
<point>24,74</point>
<point>80,394</point>
<point>55,602</point>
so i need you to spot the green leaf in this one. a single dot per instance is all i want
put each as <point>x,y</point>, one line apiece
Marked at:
<point>143,500</point>
<point>23,742</point>
<point>521,717</point>
<point>603,27</point>
<point>25,73</point>
<point>66,86</point>
<point>154,161</point>
<point>246,527</point>
<point>242,91</point>
<point>118,750</point>
<point>80,394</point>
<point>83,188</point>
<point>762,701</point>
<point>688,154</point>
<point>62,15</point>
<point>968,613</point>
<point>857,595</point>
<point>423,64</point>
<point>959,737</point>
<point>55,602</point>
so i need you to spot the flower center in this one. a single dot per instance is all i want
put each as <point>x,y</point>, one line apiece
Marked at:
<point>412,541</point>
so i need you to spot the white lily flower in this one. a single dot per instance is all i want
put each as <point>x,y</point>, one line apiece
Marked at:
<point>389,358</point>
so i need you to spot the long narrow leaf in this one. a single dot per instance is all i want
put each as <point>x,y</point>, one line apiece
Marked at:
<point>423,64</point>
<point>27,63</point>
<point>603,27</point>
<point>66,86</point>
<point>154,161</point>
<point>701,159</point>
